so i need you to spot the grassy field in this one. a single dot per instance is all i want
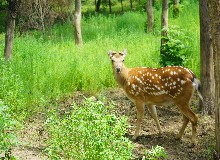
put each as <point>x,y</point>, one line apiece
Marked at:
<point>49,66</point>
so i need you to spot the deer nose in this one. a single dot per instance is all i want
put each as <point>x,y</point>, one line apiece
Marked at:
<point>118,69</point>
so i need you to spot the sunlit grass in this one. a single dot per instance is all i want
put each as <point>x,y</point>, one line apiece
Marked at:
<point>51,65</point>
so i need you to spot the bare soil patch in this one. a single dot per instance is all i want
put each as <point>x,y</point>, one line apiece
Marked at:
<point>33,136</point>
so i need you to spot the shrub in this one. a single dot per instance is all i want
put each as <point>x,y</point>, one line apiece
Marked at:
<point>155,153</point>
<point>174,51</point>
<point>8,126</point>
<point>89,132</point>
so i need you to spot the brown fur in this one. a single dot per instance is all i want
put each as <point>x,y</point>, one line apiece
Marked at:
<point>157,86</point>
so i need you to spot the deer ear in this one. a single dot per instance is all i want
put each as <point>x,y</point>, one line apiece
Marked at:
<point>110,53</point>
<point>125,52</point>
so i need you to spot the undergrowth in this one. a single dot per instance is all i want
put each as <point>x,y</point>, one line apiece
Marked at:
<point>90,132</point>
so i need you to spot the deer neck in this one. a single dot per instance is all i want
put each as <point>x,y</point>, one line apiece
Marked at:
<point>121,78</point>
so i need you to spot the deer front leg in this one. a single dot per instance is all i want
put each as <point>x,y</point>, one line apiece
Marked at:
<point>153,113</point>
<point>140,113</point>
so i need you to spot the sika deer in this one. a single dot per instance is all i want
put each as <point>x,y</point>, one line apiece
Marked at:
<point>157,86</point>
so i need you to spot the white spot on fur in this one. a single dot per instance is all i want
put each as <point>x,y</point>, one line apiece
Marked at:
<point>182,82</point>
<point>133,86</point>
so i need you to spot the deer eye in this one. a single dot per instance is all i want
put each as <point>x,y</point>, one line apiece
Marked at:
<point>113,61</point>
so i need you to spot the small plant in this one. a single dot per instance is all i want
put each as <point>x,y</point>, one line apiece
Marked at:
<point>155,153</point>
<point>8,126</point>
<point>89,132</point>
<point>174,51</point>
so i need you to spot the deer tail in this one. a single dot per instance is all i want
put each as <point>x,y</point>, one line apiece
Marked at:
<point>197,85</point>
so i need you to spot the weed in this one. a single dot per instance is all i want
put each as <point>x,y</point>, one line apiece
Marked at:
<point>8,125</point>
<point>155,153</point>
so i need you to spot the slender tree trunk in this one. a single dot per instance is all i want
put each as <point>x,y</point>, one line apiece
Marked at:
<point>9,36</point>
<point>131,4</point>
<point>176,10</point>
<point>110,6</point>
<point>206,60</point>
<point>150,16</point>
<point>97,5</point>
<point>164,22</point>
<point>122,8</point>
<point>214,12</point>
<point>77,23</point>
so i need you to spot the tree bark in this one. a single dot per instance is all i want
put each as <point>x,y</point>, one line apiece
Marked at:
<point>9,36</point>
<point>206,60</point>
<point>77,23</point>
<point>214,12</point>
<point>164,22</point>
<point>150,16</point>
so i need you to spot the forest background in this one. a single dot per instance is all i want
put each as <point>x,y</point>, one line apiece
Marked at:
<point>47,65</point>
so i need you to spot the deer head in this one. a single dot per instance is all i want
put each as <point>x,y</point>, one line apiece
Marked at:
<point>117,60</point>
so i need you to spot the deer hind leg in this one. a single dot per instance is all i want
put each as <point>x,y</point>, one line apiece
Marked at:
<point>190,115</point>
<point>153,113</point>
<point>140,113</point>
<point>182,129</point>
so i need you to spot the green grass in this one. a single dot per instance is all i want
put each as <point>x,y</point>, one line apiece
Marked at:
<point>51,65</point>
<point>48,66</point>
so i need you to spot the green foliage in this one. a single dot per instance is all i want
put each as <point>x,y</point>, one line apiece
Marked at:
<point>11,88</point>
<point>155,153</point>
<point>49,65</point>
<point>91,131</point>
<point>176,50</point>
<point>209,152</point>
<point>8,125</point>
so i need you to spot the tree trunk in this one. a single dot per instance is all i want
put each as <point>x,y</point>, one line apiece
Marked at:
<point>176,9</point>
<point>77,23</point>
<point>9,36</point>
<point>131,4</point>
<point>206,60</point>
<point>150,16</point>
<point>164,22</point>
<point>122,8</point>
<point>110,6</point>
<point>214,12</point>
<point>97,5</point>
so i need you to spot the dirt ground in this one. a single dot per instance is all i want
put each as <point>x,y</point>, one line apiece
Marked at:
<point>34,135</point>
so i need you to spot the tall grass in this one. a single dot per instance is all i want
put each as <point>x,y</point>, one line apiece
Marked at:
<point>50,65</point>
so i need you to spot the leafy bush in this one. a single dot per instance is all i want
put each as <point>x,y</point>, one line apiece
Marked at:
<point>155,153</point>
<point>8,126</point>
<point>89,132</point>
<point>174,51</point>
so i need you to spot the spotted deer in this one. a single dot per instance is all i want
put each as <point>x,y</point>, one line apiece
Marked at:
<point>157,86</point>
